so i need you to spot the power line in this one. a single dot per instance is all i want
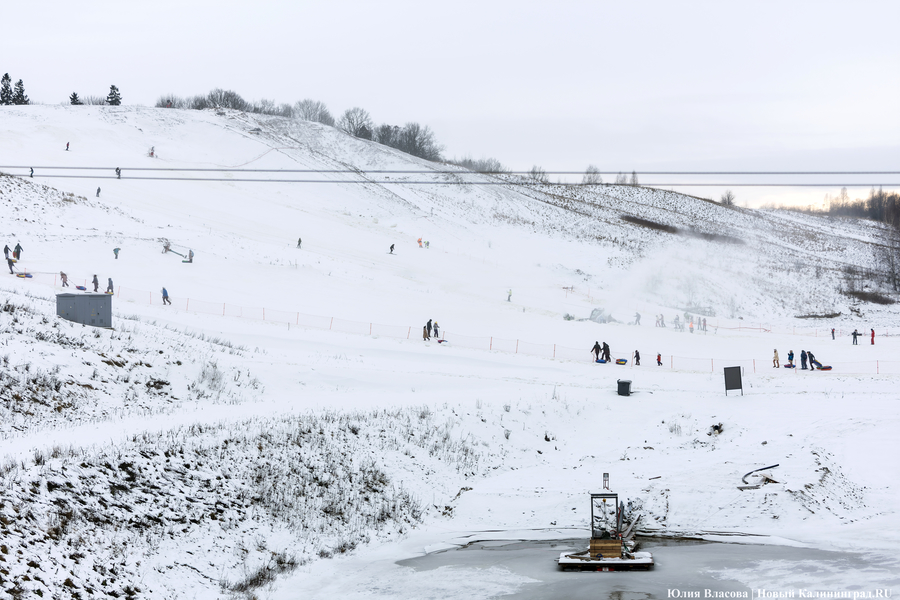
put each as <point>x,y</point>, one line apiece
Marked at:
<point>475,183</point>
<point>446,172</point>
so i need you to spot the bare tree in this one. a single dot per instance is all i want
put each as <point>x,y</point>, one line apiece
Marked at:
<point>227,99</point>
<point>591,176</point>
<point>419,141</point>
<point>313,110</point>
<point>728,198</point>
<point>621,179</point>
<point>387,135</point>
<point>634,180</point>
<point>481,165</point>
<point>538,174</point>
<point>356,122</point>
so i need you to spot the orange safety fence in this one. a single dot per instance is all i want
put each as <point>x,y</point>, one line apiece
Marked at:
<point>490,343</point>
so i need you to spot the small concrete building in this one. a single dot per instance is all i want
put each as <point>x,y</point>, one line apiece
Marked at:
<point>87,309</point>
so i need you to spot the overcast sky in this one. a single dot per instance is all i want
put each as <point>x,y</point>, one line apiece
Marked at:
<point>622,85</point>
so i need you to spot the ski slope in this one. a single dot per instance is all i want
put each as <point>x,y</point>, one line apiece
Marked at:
<point>203,408</point>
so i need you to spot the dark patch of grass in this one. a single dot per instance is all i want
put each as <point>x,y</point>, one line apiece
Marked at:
<point>649,224</point>
<point>871,297</point>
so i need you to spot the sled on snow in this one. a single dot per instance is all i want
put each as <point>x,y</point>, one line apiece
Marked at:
<point>24,275</point>
<point>621,361</point>
<point>81,287</point>
<point>601,361</point>
<point>790,366</point>
<point>825,368</point>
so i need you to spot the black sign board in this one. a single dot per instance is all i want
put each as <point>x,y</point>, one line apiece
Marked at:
<point>733,379</point>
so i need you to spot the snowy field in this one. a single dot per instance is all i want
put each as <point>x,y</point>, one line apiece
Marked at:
<point>284,423</point>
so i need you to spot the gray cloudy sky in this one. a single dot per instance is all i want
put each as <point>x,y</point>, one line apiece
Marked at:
<point>652,85</point>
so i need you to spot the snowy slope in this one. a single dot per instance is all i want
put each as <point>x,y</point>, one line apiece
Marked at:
<point>254,447</point>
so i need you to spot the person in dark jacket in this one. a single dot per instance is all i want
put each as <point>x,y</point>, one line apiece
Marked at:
<point>392,249</point>
<point>855,334</point>
<point>428,325</point>
<point>812,360</point>
<point>109,286</point>
<point>165,294</point>
<point>6,251</point>
<point>832,333</point>
<point>17,251</point>
<point>98,192</point>
<point>596,350</point>
<point>803,358</point>
<point>637,358</point>
<point>606,352</point>
<point>637,318</point>
<point>299,241</point>
<point>791,358</point>
<point>658,359</point>
<point>96,283</point>
<point>10,262</point>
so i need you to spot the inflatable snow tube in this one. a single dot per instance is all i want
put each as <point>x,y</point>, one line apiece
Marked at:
<point>24,275</point>
<point>600,360</point>
<point>621,361</point>
<point>825,368</point>
<point>81,287</point>
<point>790,366</point>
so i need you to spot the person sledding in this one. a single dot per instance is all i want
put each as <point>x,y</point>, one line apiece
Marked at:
<point>813,363</point>
<point>596,350</point>
<point>790,363</point>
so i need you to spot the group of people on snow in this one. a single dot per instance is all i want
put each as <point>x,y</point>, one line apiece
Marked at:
<point>678,323</point>
<point>429,328</point>
<point>16,254</point>
<point>856,334</point>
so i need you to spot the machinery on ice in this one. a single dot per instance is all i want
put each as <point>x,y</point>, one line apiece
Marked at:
<point>612,546</point>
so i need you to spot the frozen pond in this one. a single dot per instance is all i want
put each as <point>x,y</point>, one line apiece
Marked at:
<point>683,569</point>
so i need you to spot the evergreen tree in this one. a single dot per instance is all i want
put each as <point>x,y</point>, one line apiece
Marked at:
<point>6,89</point>
<point>19,96</point>
<point>74,99</point>
<point>114,98</point>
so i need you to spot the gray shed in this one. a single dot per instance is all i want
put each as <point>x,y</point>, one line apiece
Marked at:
<point>87,309</point>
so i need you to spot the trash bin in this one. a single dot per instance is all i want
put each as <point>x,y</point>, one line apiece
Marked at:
<point>624,387</point>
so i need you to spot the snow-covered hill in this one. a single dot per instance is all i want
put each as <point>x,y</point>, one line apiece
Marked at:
<point>192,451</point>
